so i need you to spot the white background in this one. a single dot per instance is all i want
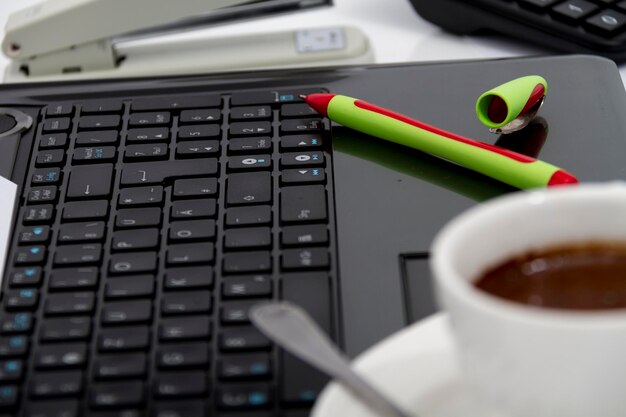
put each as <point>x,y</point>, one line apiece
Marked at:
<point>396,32</point>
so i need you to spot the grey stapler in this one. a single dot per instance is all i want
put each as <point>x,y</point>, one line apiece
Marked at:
<point>80,39</point>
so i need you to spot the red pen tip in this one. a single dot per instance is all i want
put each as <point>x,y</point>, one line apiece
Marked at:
<point>319,102</point>
<point>561,177</point>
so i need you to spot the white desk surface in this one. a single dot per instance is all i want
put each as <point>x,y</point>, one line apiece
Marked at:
<point>396,32</point>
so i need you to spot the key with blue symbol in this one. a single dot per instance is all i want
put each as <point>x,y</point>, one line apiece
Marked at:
<point>30,255</point>
<point>24,299</point>
<point>34,234</point>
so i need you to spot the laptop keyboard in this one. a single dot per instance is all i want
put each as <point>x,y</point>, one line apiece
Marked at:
<point>147,229</point>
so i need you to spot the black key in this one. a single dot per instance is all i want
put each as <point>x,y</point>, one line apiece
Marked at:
<point>34,234</point>
<point>25,299</point>
<point>11,371</point>
<point>303,204</point>
<point>181,384</point>
<point>59,109</point>
<point>537,4</point>
<point>573,10</point>
<point>53,140</point>
<point>46,176</point>
<point>138,217</point>
<point>257,237</point>
<point>131,263</point>
<point>190,209</point>
<point>251,366</point>
<point>180,409</point>
<point>249,216</point>
<point>81,232</point>
<point>297,110</point>
<point>294,142</point>
<point>302,176</point>
<point>301,125</point>
<point>127,312</point>
<point>99,122</point>
<point>242,397</point>
<point>16,323</point>
<point>149,119</point>
<point>247,286</point>
<point>59,124</point>
<point>200,116</point>
<point>85,210</point>
<point>190,253</point>
<point>311,291</point>
<point>246,262</point>
<point>123,339</point>
<point>91,181</point>
<point>186,303</point>
<point>56,384</point>
<point>249,188</point>
<point>120,366</point>
<point>305,258</point>
<point>192,327</point>
<point>135,239</point>
<point>249,163</point>
<point>250,145</point>
<point>149,152</point>
<point>267,97</point>
<point>242,339</point>
<point>13,346</point>
<point>97,137</point>
<point>176,102</point>
<point>70,303</point>
<point>39,214</point>
<point>608,22</point>
<point>52,408</point>
<point>38,195</point>
<point>194,355</point>
<point>74,279</point>
<point>130,286</point>
<point>9,396</point>
<point>192,230</point>
<point>94,154</point>
<point>250,128</point>
<point>62,329</point>
<point>251,113</point>
<point>141,196</point>
<point>78,254</point>
<point>300,382</point>
<point>189,278</point>
<point>117,395</point>
<point>195,187</point>
<point>157,172</point>
<point>302,159</point>
<point>30,255</point>
<point>61,356</point>
<point>105,106</point>
<point>236,312</point>
<point>199,131</point>
<point>148,134</point>
<point>197,149</point>
<point>26,277</point>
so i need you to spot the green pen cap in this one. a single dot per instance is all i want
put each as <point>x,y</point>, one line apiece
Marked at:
<point>511,102</point>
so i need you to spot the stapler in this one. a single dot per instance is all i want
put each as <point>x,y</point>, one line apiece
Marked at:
<point>85,39</point>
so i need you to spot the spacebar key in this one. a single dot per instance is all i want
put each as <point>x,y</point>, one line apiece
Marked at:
<point>157,172</point>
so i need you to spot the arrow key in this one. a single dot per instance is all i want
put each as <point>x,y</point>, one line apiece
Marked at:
<point>303,176</point>
<point>197,149</point>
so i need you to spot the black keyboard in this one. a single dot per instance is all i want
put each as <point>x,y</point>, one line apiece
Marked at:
<point>587,26</point>
<point>147,227</point>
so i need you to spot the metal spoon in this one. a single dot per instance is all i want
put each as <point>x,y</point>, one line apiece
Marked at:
<point>292,329</point>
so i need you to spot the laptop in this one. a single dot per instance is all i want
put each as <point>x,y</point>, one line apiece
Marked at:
<point>151,214</point>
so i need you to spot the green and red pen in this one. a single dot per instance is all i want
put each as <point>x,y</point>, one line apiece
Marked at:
<point>510,167</point>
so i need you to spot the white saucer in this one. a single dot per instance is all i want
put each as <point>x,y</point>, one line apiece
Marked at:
<point>417,367</point>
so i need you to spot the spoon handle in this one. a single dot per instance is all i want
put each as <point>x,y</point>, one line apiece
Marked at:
<point>292,329</point>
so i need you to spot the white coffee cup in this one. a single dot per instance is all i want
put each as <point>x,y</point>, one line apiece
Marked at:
<point>529,361</point>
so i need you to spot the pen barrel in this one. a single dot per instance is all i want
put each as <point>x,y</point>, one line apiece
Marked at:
<point>507,166</point>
